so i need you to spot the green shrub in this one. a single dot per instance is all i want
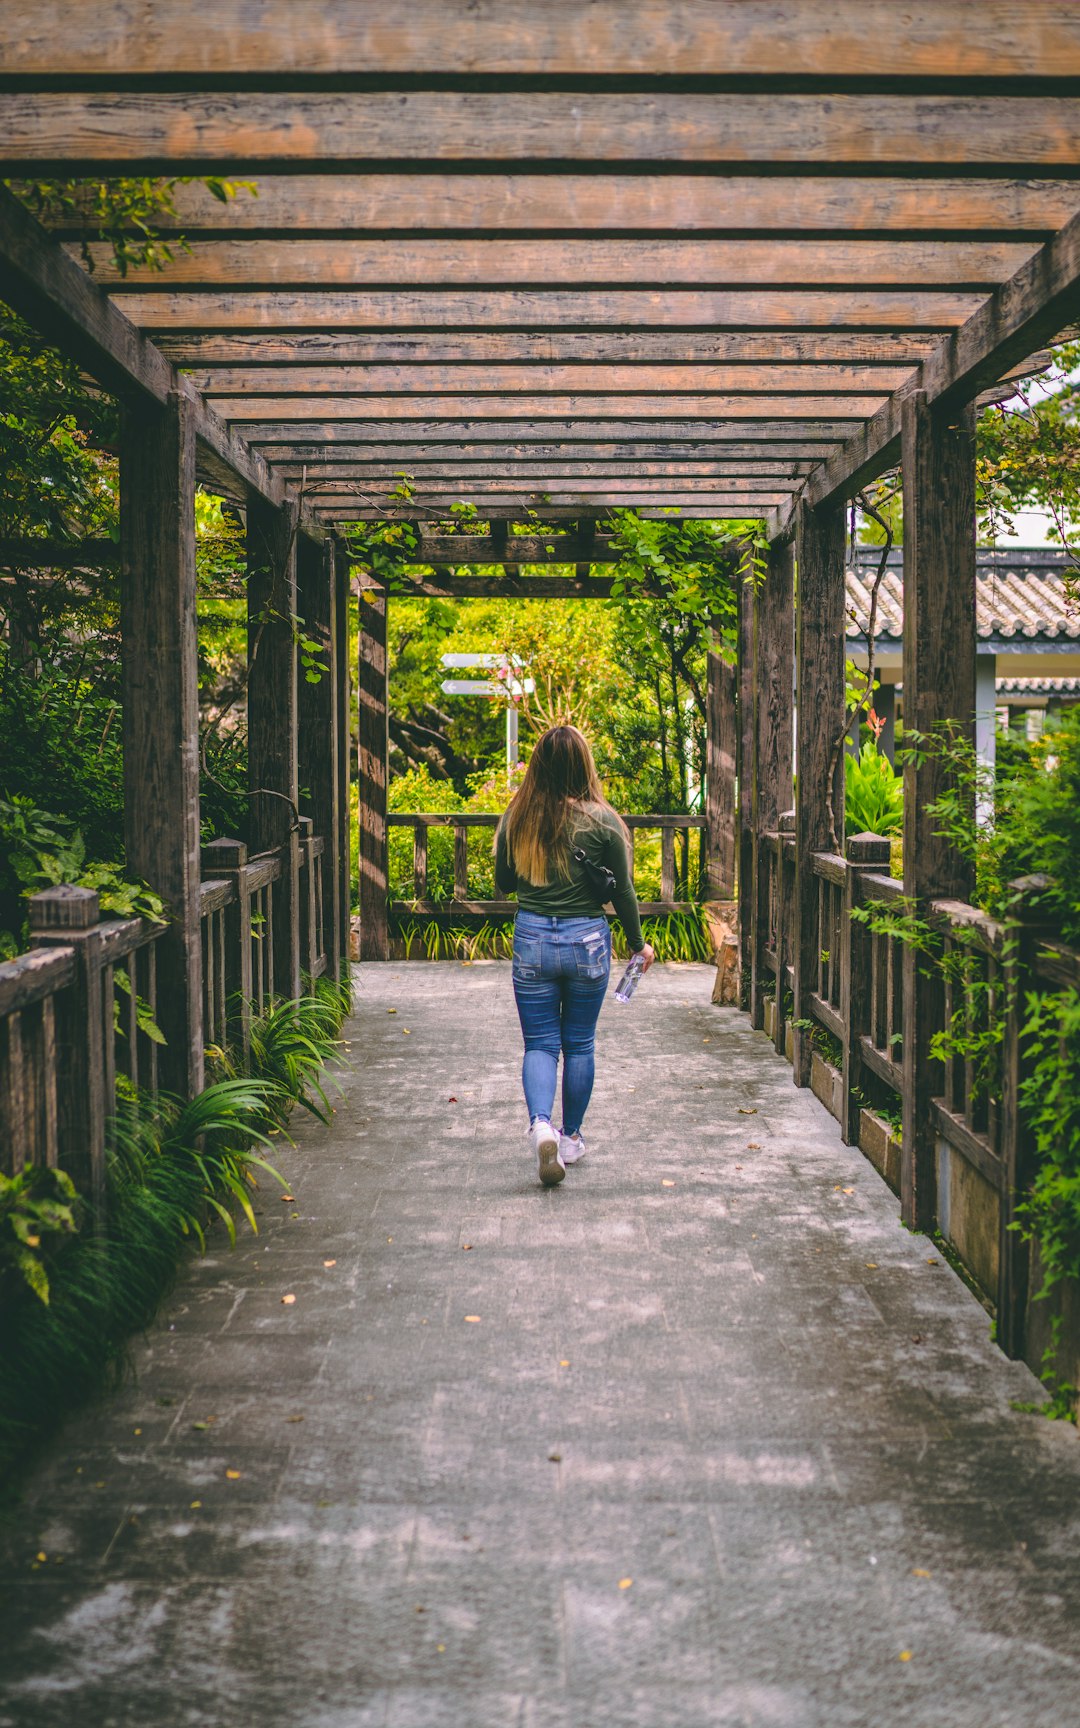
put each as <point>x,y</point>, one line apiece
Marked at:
<point>873,793</point>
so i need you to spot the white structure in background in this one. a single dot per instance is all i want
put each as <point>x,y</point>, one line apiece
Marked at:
<point>1027,638</point>
<point>512,685</point>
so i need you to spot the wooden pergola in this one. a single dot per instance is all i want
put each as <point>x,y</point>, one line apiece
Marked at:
<point>737,257</point>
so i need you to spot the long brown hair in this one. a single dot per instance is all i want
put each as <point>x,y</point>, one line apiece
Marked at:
<point>560,787</point>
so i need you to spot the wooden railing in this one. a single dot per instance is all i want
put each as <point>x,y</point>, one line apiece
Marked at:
<point>981,972</point>
<point>82,1006</point>
<point>464,906</point>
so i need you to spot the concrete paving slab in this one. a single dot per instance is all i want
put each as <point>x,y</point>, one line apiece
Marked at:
<point>699,1439</point>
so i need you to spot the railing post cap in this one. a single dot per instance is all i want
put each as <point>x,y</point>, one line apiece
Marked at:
<point>868,849</point>
<point>786,823</point>
<point>223,855</point>
<point>64,908</point>
<point>307,827</point>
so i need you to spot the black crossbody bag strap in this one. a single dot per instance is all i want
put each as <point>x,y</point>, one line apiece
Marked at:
<point>600,879</point>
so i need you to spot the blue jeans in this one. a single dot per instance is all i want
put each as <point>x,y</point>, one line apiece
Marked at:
<point>561,969</point>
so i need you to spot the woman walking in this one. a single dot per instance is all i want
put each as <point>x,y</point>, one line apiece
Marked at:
<point>552,847</point>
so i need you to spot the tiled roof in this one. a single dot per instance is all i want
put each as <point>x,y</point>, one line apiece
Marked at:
<point>1037,686</point>
<point>1019,594</point>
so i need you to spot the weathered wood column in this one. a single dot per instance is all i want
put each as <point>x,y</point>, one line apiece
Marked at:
<point>318,742</point>
<point>939,687</point>
<point>774,661</point>
<point>272,720</point>
<point>720,751</point>
<point>161,711</point>
<point>746,765</point>
<point>373,747</point>
<point>346,748</point>
<point>819,698</point>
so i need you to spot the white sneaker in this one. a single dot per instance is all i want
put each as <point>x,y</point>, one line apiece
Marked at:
<point>571,1148</point>
<point>545,1143</point>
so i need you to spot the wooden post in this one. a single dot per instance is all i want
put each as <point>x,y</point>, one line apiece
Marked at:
<point>225,861</point>
<point>746,764</point>
<point>373,746</point>
<point>318,733</point>
<point>720,750</point>
<point>68,917</point>
<point>785,889</point>
<point>346,752</point>
<point>819,655</point>
<point>939,687</point>
<point>1017,1145</point>
<point>272,720</point>
<point>161,713</point>
<point>774,700</point>
<point>865,852</point>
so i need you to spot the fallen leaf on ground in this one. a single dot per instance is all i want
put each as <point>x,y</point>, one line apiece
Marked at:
<point>744,1110</point>
<point>553,1458</point>
<point>666,1182</point>
<point>136,1430</point>
<point>473,1319</point>
<point>286,1198</point>
<point>466,1247</point>
<point>919,1572</point>
<point>200,1425</point>
<point>289,1300</point>
<point>441,1648</point>
<point>905,1655</point>
<point>329,1263</point>
<point>752,1146</point>
<point>933,1262</point>
<point>451,1100</point>
<point>406,1031</point>
<point>41,1556</point>
<point>196,1505</point>
<point>391,1010</point>
<point>564,1363</point>
<point>625,1583</point>
<point>233,1475</point>
<point>294,1418</point>
<point>872,1264</point>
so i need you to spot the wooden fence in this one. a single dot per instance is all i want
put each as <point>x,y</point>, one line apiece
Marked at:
<point>82,1006</point>
<point>960,1111</point>
<point>465,909</point>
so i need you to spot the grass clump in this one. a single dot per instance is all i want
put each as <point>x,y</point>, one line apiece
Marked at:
<point>172,1170</point>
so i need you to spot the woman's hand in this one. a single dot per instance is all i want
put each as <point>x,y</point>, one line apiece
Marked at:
<point>647,955</point>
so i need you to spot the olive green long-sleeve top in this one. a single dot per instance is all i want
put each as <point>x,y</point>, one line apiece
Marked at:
<point>601,838</point>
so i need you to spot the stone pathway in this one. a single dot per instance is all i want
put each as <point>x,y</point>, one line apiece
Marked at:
<point>701,1438</point>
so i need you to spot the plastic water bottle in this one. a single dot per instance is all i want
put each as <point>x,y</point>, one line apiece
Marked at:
<point>630,979</point>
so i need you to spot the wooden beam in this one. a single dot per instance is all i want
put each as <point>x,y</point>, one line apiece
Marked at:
<point>627,204</point>
<point>469,586</point>
<point>373,742</point>
<point>377,347</point>
<point>819,651</point>
<point>486,309</point>
<point>629,38</point>
<point>580,377</point>
<point>272,721</point>
<point>517,504</point>
<point>325,437</point>
<point>281,410</point>
<point>939,691</point>
<point>512,511</point>
<point>247,132</point>
<point>1028,310</point>
<point>161,712</point>
<point>318,262</point>
<point>451,473</point>
<point>527,487</point>
<point>59,299</point>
